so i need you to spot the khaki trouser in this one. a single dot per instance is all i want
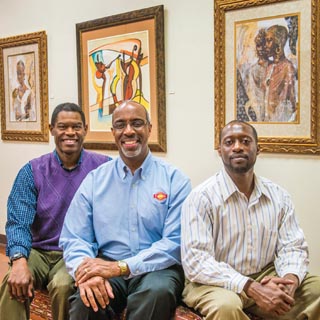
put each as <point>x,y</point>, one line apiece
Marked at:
<point>216,303</point>
<point>49,271</point>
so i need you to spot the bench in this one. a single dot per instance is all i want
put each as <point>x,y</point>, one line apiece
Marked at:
<point>41,307</point>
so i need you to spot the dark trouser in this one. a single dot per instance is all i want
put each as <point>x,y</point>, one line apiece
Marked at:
<point>152,296</point>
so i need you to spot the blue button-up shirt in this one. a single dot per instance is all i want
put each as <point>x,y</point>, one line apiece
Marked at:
<point>135,218</point>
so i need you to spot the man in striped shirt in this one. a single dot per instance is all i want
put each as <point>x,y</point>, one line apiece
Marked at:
<point>242,247</point>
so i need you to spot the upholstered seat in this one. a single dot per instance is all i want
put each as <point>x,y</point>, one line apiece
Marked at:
<point>41,307</point>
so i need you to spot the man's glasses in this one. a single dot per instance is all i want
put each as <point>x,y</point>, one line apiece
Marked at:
<point>136,124</point>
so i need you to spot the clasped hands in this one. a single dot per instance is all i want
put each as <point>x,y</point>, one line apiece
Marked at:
<point>274,295</point>
<point>92,280</point>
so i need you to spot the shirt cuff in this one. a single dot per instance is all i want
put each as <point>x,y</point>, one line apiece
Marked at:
<point>237,283</point>
<point>18,249</point>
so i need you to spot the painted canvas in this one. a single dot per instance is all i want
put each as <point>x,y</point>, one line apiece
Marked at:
<point>118,70</point>
<point>267,67</point>
<point>22,91</point>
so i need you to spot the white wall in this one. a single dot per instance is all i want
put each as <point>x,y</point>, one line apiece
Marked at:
<point>189,86</point>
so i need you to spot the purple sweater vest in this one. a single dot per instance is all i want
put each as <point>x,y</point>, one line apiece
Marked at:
<point>56,188</point>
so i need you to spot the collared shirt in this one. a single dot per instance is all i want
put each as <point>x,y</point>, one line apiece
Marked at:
<point>226,237</point>
<point>135,218</point>
<point>22,207</point>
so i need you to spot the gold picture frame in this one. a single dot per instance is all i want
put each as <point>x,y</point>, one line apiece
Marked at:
<point>121,57</point>
<point>239,26</point>
<point>24,87</point>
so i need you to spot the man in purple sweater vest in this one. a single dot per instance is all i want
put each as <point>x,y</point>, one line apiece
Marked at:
<point>37,204</point>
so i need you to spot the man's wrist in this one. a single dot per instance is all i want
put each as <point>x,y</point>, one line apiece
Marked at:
<point>124,270</point>
<point>293,277</point>
<point>16,257</point>
<point>247,286</point>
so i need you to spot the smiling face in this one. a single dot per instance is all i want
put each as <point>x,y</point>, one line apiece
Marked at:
<point>131,130</point>
<point>238,148</point>
<point>69,132</point>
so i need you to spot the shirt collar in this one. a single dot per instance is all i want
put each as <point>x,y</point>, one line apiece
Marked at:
<point>61,164</point>
<point>142,171</point>
<point>228,187</point>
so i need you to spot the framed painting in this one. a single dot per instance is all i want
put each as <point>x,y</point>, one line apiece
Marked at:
<point>121,57</point>
<point>272,82</point>
<point>24,88</point>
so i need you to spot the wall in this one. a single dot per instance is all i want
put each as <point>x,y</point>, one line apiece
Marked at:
<point>189,87</point>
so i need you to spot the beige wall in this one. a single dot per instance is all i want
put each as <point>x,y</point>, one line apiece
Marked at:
<point>189,94</point>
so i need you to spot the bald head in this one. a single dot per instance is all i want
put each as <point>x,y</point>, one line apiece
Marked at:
<point>129,104</point>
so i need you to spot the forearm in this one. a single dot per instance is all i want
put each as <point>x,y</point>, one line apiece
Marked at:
<point>210,272</point>
<point>161,255</point>
<point>292,250</point>
<point>22,203</point>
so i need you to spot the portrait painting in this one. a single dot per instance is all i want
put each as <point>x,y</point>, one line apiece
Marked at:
<point>24,87</point>
<point>22,95</point>
<point>267,64</point>
<point>121,58</point>
<point>266,56</point>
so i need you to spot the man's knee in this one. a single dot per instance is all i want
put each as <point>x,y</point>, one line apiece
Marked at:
<point>61,286</point>
<point>228,306</point>
<point>162,292</point>
<point>157,293</point>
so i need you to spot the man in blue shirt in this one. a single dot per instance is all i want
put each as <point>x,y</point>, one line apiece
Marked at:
<point>37,204</point>
<point>121,235</point>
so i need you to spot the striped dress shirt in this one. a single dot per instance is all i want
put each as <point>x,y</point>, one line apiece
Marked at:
<point>226,237</point>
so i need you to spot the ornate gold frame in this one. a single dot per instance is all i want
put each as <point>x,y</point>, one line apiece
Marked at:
<point>150,20</point>
<point>297,144</point>
<point>13,48</point>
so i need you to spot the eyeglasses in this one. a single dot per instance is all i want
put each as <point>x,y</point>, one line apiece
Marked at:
<point>136,124</point>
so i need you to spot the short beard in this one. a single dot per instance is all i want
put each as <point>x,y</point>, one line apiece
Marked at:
<point>131,154</point>
<point>238,170</point>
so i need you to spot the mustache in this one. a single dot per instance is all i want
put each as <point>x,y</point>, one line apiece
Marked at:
<point>237,156</point>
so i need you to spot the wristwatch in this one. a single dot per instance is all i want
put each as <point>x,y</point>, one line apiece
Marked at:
<point>16,256</point>
<point>123,267</point>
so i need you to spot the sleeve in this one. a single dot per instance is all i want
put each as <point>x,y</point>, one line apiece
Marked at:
<point>166,251</point>
<point>198,246</point>
<point>21,210</point>
<point>292,250</point>
<point>77,237</point>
